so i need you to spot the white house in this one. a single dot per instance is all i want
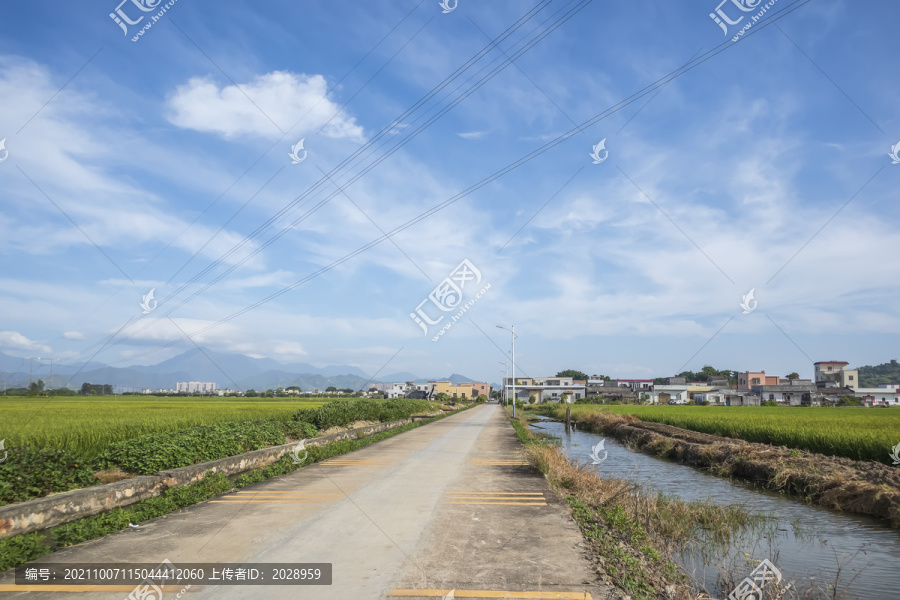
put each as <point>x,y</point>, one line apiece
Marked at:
<point>545,389</point>
<point>663,394</point>
<point>885,394</point>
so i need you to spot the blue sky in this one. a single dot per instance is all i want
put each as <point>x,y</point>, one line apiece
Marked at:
<point>164,164</point>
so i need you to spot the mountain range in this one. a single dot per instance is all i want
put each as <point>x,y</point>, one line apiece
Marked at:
<point>234,371</point>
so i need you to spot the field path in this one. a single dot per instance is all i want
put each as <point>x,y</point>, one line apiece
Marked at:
<point>448,506</point>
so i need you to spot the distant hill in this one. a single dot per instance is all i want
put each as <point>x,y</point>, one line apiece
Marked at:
<point>870,376</point>
<point>225,369</point>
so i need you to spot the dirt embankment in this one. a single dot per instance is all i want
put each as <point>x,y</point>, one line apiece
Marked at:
<point>867,488</point>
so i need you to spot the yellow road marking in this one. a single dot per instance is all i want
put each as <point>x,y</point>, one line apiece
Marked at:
<point>495,594</point>
<point>286,492</point>
<point>506,503</point>
<point>507,498</point>
<point>497,493</point>
<point>89,588</point>
<point>267,501</point>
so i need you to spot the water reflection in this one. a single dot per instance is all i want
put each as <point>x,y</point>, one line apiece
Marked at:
<point>809,541</point>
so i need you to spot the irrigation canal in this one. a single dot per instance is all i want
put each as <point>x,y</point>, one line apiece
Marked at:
<point>810,541</point>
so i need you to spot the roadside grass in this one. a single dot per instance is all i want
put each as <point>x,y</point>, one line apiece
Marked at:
<point>634,532</point>
<point>855,433</point>
<point>19,549</point>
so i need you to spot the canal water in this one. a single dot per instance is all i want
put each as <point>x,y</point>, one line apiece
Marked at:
<point>809,543</point>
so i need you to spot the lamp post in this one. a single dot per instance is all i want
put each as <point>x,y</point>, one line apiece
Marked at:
<point>505,395</point>
<point>514,336</point>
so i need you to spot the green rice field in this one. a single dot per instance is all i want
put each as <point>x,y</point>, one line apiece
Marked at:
<point>857,433</point>
<point>86,425</point>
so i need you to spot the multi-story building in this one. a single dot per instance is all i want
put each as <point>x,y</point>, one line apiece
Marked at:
<point>834,373</point>
<point>544,389</point>
<point>192,387</point>
<point>747,379</point>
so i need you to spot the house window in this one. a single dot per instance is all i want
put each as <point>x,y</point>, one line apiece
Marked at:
<point>850,377</point>
<point>771,396</point>
<point>829,368</point>
<point>756,380</point>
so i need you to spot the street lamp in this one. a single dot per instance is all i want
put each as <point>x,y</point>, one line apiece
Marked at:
<point>514,336</point>
<point>505,395</point>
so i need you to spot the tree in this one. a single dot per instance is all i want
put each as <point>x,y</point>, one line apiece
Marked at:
<point>331,388</point>
<point>251,393</point>
<point>36,387</point>
<point>373,389</point>
<point>573,374</point>
<point>659,381</point>
<point>793,376</point>
<point>442,397</point>
<point>481,398</point>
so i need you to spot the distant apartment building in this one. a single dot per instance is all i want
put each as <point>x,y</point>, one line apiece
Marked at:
<point>192,387</point>
<point>834,373</point>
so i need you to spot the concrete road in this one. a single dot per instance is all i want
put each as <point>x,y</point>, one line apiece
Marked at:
<point>448,506</point>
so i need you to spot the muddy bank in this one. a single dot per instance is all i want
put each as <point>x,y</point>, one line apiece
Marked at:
<point>867,488</point>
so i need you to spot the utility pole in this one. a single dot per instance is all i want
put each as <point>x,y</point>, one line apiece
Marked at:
<point>31,369</point>
<point>50,385</point>
<point>514,336</point>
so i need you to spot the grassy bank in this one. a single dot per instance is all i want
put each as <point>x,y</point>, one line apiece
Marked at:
<point>633,533</point>
<point>855,433</point>
<point>863,487</point>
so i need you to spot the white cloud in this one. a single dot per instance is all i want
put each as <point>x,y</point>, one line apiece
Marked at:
<point>13,340</point>
<point>73,335</point>
<point>264,107</point>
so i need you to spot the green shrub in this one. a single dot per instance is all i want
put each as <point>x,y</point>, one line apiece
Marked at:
<point>35,472</point>
<point>149,454</point>
<point>342,413</point>
<point>302,431</point>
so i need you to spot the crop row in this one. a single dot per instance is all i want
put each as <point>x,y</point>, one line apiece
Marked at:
<point>856,433</point>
